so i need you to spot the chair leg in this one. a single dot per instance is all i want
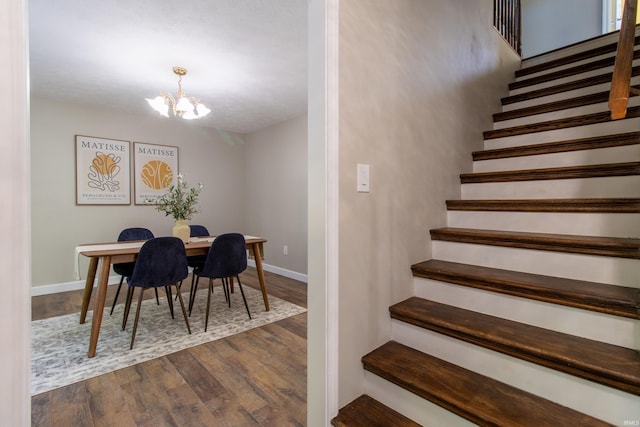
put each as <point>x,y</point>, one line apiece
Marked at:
<point>209,293</point>
<point>178,289</point>
<point>127,306</point>
<point>167,289</point>
<point>184,311</point>
<point>243,297</point>
<point>225,288</point>
<point>135,323</point>
<point>157,299</point>
<point>192,294</point>
<point>193,280</point>
<point>115,299</point>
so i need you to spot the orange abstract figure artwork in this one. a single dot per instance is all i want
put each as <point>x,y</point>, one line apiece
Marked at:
<point>103,172</point>
<point>157,174</point>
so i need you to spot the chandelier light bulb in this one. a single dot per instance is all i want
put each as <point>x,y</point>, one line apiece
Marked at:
<point>202,110</point>
<point>189,115</point>
<point>185,107</point>
<point>159,103</point>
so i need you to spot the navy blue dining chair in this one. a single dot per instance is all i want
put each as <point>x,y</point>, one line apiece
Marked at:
<point>161,262</point>
<point>126,269</point>
<point>226,259</point>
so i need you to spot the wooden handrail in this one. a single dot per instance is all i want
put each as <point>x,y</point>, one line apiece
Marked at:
<point>621,81</point>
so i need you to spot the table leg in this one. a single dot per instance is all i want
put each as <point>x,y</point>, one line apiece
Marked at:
<point>99,307</point>
<point>88,288</point>
<point>258,257</point>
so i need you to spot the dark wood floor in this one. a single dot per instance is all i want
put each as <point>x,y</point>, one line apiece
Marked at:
<point>256,378</point>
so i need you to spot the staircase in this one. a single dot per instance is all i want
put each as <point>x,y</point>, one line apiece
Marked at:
<point>528,313</point>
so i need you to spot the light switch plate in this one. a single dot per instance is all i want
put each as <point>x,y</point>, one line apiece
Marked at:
<point>363,178</point>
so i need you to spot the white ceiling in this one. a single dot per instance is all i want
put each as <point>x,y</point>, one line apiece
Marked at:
<point>246,59</point>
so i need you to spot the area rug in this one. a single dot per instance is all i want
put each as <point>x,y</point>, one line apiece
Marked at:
<point>60,344</point>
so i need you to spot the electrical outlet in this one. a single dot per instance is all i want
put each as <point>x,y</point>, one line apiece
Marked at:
<point>285,250</point>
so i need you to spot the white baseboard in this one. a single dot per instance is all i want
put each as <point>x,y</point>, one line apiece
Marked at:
<point>79,284</point>
<point>55,288</point>
<point>281,271</point>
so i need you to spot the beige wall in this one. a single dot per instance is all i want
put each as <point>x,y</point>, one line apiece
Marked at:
<point>550,24</point>
<point>418,80</point>
<point>214,158</point>
<point>275,194</point>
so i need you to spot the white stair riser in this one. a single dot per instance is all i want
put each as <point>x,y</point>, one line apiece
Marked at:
<point>563,80</point>
<point>599,401</point>
<point>573,321</point>
<point>561,114</point>
<point>557,97</point>
<point>598,129</point>
<point>610,270</point>
<point>567,66</point>
<point>567,79</point>
<point>615,186</point>
<point>575,93</point>
<point>554,115</point>
<point>410,405</point>
<point>573,49</point>
<point>584,224</point>
<point>620,154</point>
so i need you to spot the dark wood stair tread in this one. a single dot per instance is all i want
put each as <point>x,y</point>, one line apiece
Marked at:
<point>587,245</point>
<point>607,364</point>
<point>564,104</point>
<point>606,205</point>
<point>477,398</point>
<point>563,172</point>
<point>599,297</point>
<point>567,72</point>
<point>368,412</point>
<point>568,59</point>
<point>591,143</point>
<point>569,122</point>
<point>603,78</point>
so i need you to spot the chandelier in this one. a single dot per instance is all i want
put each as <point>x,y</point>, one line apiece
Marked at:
<point>187,108</point>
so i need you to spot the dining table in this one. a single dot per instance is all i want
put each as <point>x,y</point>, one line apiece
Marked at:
<point>107,254</point>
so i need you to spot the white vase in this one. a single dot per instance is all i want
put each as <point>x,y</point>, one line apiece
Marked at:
<point>182,230</point>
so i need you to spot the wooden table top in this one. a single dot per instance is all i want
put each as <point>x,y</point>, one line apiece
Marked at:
<point>133,246</point>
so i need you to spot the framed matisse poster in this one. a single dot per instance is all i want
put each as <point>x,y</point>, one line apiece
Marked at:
<point>102,171</point>
<point>155,169</point>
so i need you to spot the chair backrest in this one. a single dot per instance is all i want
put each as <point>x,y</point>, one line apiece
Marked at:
<point>227,257</point>
<point>135,233</point>
<point>162,261</point>
<point>198,231</point>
